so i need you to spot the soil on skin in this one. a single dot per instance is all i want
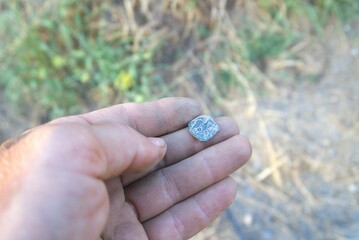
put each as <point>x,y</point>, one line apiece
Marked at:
<point>302,181</point>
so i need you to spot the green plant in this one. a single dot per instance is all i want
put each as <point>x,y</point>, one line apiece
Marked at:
<point>321,10</point>
<point>265,44</point>
<point>60,57</point>
<point>65,60</point>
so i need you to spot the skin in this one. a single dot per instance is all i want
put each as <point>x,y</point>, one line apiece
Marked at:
<point>131,171</point>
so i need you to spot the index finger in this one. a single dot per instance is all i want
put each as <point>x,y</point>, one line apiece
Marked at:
<point>150,119</point>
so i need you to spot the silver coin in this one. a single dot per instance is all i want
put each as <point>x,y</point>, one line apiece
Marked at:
<point>203,128</point>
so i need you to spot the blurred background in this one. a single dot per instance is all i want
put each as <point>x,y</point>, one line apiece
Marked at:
<point>286,70</point>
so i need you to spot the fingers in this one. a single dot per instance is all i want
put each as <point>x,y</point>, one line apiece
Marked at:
<point>181,145</point>
<point>163,116</point>
<point>122,221</point>
<point>127,151</point>
<point>187,218</point>
<point>178,182</point>
<point>99,151</point>
<point>150,119</point>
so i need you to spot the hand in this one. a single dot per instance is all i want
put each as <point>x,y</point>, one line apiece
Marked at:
<point>107,174</point>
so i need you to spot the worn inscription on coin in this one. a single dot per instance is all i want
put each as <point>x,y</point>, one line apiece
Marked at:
<point>203,128</point>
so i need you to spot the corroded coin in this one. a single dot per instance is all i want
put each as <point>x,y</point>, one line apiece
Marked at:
<point>203,128</point>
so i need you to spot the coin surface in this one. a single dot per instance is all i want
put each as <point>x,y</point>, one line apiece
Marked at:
<point>203,128</point>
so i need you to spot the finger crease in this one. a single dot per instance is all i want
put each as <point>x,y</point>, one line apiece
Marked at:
<point>207,218</point>
<point>83,118</point>
<point>165,117</point>
<point>178,225</point>
<point>132,122</point>
<point>171,188</point>
<point>211,173</point>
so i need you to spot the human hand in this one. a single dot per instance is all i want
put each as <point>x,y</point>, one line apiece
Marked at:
<point>101,175</point>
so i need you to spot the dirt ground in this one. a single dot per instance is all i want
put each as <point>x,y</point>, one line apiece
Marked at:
<point>303,179</point>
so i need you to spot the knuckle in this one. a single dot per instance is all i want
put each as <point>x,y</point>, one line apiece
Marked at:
<point>231,124</point>
<point>86,147</point>
<point>245,146</point>
<point>165,118</point>
<point>195,106</point>
<point>75,141</point>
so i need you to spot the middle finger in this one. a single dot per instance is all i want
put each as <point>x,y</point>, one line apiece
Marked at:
<point>162,189</point>
<point>181,145</point>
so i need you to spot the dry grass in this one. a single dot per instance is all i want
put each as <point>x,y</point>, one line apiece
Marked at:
<point>259,61</point>
<point>301,182</point>
<point>101,52</point>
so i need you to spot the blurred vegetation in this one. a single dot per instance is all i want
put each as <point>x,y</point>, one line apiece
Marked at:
<point>62,57</point>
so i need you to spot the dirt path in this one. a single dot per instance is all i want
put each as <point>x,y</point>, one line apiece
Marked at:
<point>303,179</point>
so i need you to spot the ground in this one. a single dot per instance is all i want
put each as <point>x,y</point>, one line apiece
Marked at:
<point>303,179</point>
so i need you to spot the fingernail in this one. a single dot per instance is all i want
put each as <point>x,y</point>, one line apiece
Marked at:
<point>159,142</point>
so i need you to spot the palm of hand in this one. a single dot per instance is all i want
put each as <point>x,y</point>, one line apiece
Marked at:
<point>177,197</point>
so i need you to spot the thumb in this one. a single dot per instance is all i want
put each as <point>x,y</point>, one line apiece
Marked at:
<point>102,151</point>
<point>125,150</point>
